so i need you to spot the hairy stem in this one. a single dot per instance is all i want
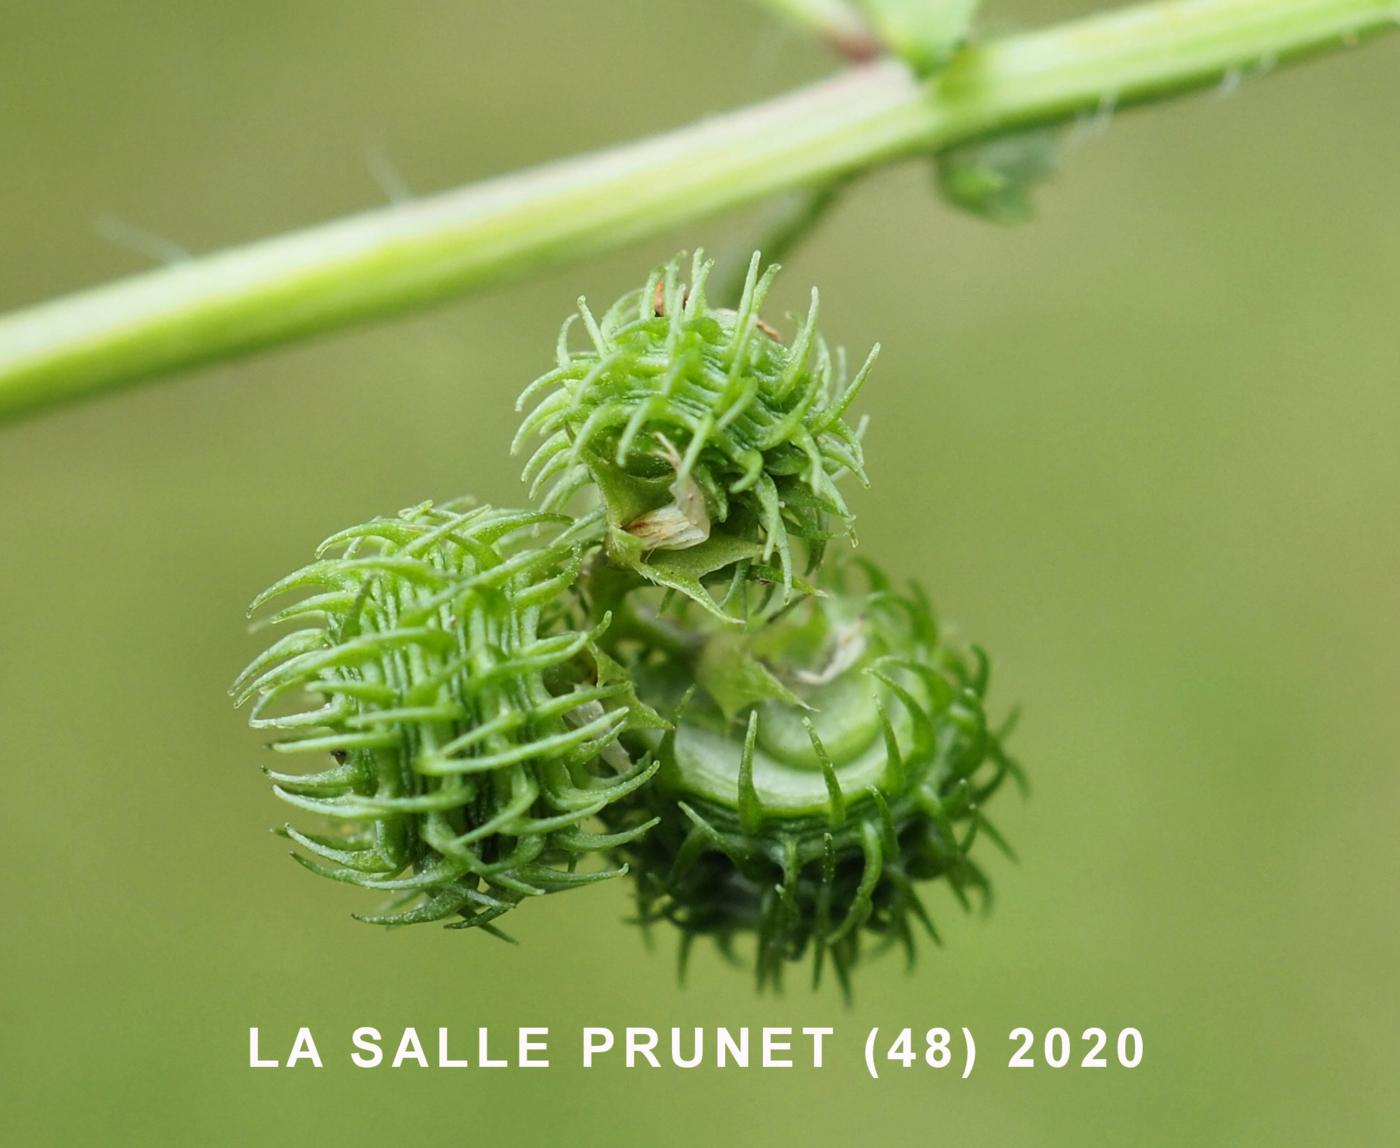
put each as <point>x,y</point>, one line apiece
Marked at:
<point>410,255</point>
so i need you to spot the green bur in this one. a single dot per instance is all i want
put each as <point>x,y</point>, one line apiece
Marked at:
<point>468,723</point>
<point>714,445</point>
<point>804,816</point>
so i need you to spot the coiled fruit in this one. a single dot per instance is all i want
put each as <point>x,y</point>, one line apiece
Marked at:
<point>713,443</point>
<point>473,733</point>
<point>805,807</point>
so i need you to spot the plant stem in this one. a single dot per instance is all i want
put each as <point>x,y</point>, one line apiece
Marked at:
<point>410,255</point>
<point>792,222</point>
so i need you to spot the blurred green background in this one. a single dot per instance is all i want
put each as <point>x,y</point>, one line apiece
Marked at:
<point>1144,449</point>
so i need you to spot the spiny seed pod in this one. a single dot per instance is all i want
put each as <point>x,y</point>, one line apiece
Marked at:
<point>473,732</point>
<point>712,442</point>
<point>819,770</point>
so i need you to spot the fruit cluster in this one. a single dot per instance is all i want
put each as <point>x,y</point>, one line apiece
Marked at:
<point>661,671</point>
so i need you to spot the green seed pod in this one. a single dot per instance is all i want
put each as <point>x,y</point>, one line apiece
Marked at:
<point>713,443</point>
<point>819,770</point>
<point>473,731</point>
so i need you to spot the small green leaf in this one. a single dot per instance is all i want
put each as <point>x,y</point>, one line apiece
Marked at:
<point>682,570</point>
<point>996,178</point>
<point>640,715</point>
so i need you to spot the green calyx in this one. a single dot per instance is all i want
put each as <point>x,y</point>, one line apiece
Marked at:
<point>779,745</point>
<point>714,444</point>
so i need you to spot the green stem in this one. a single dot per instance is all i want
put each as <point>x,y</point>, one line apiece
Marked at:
<point>411,255</point>
<point>780,235</point>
